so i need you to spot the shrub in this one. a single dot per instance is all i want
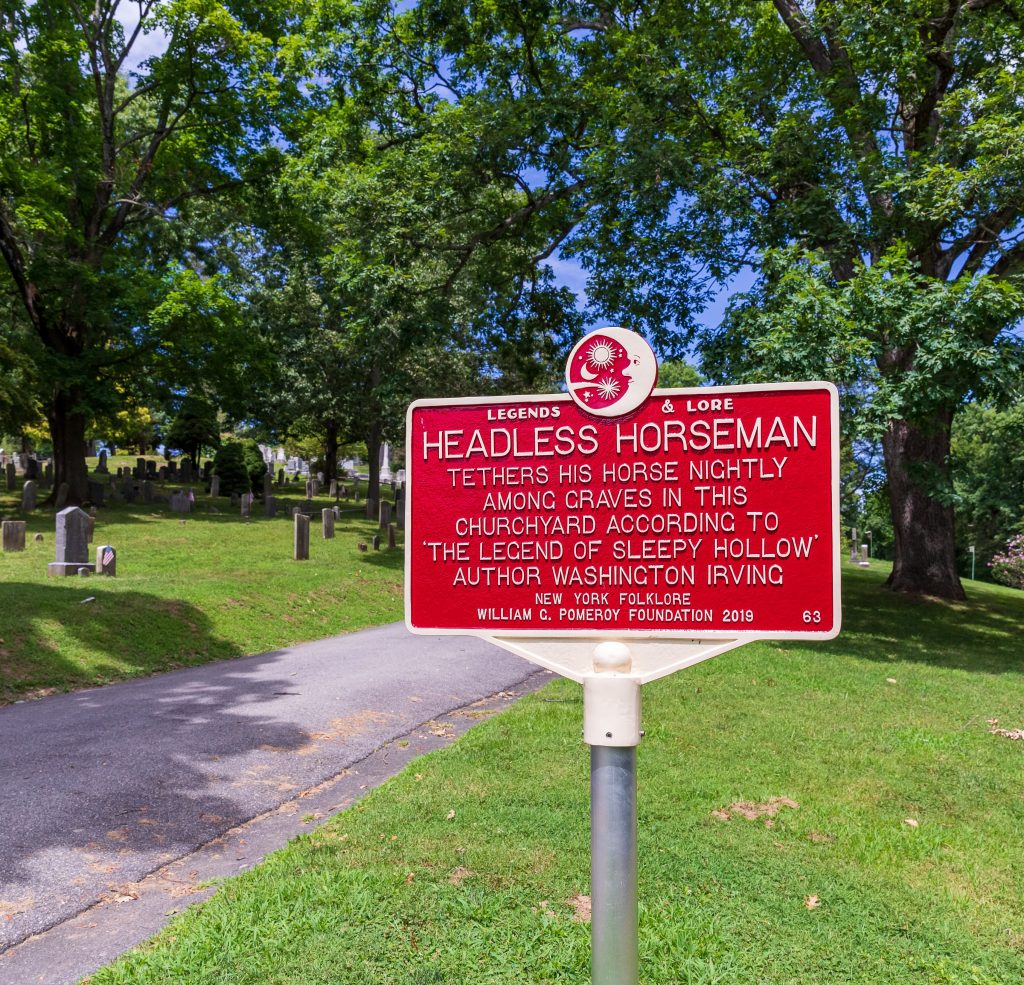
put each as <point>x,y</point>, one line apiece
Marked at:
<point>1008,567</point>
<point>230,464</point>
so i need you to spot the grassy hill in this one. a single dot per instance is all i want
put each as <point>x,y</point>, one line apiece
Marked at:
<point>894,853</point>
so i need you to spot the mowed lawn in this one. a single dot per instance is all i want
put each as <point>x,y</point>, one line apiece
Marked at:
<point>187,592</point>
<point>895,852</point>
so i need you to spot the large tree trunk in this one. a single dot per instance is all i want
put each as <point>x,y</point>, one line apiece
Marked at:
<point>917,463</point>
<point>331,451</point>
<point>67,429</point>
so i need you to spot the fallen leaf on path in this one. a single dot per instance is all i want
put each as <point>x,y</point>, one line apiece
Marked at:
<point>910,822</point>
<point>450,816</point>
<point>812,902</point>
<point>754,811</point>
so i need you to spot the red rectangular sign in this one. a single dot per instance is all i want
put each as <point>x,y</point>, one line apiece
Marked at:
<point>710,512</point>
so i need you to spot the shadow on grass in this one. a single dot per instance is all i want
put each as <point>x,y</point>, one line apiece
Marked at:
<point>883,626</point>
<point>102,786</point>
<point>116,634</point>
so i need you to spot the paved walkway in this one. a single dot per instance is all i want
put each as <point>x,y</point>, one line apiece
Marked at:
<point>117,801</point>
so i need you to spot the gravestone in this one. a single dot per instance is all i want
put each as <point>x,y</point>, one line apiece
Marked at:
<point>62,496</point>
<point>186,470</point>
<point>385,514</point>
<point>11,476</point>
<point>140,468</point>
<point>337,512</point>
<point>13,535</point>
<point>32,469</point>
<point>207,468</point>
<point>97,492</point>
<point>180,502</point>
<point>246,503</point>
<point>235,499</point>
<point>334,489</point>
<point>151,470</point>
<point>268,486</point>
<point>269,506</point>
<point>853,546</point>
<point>101,465</point>
<point>215,486</point>
<point>106,561</point>
<point>391,536</point>
<point>400,509</point>
<point>72,542</point>
<point>301,537</point>
<point>147,490</point>
<point>91,528</point>
<point>128,485</point>
<point>376,542</point>
<point>280,477</point>
<point>328,524</point>
<point>162,473</point>
<point>309,489</point>
<point>371,508</point>
<point>48,475</point>
<point>28,496</point>
<point>172,470</point>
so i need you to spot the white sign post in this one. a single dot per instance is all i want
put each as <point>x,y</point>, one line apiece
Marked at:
<point>617,534</point>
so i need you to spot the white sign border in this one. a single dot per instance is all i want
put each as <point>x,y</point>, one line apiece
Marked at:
<point>634,634</point>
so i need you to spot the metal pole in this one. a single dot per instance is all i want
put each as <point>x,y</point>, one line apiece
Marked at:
<point>613,879</point>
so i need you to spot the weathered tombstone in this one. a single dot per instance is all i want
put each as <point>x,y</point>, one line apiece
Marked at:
<point>101,465</point>
<point>280,477</point>
<point>269,507</point>
<point>309,489</point>
<point>163,473</point>
<point>72,542</point>
<point>246,503</point>
<point>207,468</point>
<point>91,528</point>
<point>301,537</point>
<point>85,572</point>
<point>391,536</point>
<point>334,489</point>
<point>385,514</point>
<point>13,535</point>
<point>214,486</point>
<point>127,485</point>
<point>235,499</point>
<point>268,486</point>
<point>140,468</point>
<point>151,471</point>
<point>864,562</point>
<point>97,493</point>
<point>371,508</point>
<point>28,496</point>
<point>400,513</point>
<point>11,476</point>
<point>337,512</point>
<point>62,496</point>
<point>172,470</point>
<point>180,502</point>
<point>147,490</point>
<point>186,470</point>
<point>376,542</point>
<point>32,469</point>
<point>328,523</point>
<point>47,475</point>
<point>106,561</point>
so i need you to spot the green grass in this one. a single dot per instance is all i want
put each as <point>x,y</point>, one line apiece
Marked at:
<point>400,890</point>
<point>213,587</point>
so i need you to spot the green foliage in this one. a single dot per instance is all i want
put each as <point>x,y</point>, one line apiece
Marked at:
<point>194,427</point>
<point>674,373</point>
<point>232,464</point>
<point>988,471</point>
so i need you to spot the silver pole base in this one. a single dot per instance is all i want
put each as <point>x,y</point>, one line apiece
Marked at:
<point>613,881</point>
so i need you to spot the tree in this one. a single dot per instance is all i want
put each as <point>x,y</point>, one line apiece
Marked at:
<point>106,160</point>
<point>876,148</point>
<point>194,427</point>
<point>988,476</point>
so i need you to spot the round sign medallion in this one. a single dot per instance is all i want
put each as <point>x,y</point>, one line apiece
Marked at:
<point>611,372</point>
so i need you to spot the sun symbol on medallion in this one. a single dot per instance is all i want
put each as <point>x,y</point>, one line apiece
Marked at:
<point>601,355</point>
<point>608,388</point>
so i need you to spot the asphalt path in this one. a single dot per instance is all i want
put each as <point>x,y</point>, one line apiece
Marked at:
<point>103,787</point>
